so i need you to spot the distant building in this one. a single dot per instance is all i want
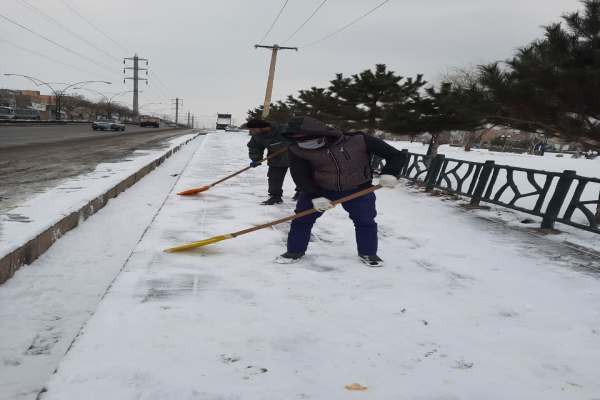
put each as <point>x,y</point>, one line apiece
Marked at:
<point>39,101</point>
<point>32,100</point>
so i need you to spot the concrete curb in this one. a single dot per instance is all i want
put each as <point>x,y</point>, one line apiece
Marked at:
<point>31,250</point>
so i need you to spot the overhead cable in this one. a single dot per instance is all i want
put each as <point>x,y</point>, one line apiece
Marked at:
<point>348,25</point>
<point>55,43</point>
<point>316,10</point>
<point>274,22</point>
<point>65,28</point>
<point>34,52</point>
<point>90,23</point>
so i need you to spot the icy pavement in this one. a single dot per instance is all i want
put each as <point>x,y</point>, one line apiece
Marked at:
<point>43,307</point>
<point>464,309</point>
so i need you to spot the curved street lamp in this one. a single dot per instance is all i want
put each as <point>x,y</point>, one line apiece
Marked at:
<point>106,99</point>
<point>58,94</point>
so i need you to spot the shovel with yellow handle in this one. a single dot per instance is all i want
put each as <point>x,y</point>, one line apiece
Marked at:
<point>216,239</point>
<point>193,191</point>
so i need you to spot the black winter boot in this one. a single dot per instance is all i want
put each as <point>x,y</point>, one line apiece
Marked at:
<point>371,261</point>
<point>272,201</point>
<point>289,258</point>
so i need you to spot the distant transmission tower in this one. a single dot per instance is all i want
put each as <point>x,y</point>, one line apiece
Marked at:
<point>136,78</point>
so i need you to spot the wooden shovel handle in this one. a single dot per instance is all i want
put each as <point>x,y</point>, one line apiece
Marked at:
<point>277,153</point>
<point>306,212</point>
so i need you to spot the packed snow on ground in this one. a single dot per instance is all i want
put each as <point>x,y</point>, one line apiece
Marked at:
<point>43,307</point>
<point>464,308</point>
<point>550,163</point>
<point>23,223</point>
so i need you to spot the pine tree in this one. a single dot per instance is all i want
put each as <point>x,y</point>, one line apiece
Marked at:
<point>279,112</point>
<point>553,84</point>
<point>362,98</point>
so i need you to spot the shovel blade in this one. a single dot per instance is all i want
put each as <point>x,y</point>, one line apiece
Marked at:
<point>194,245</point>
<point>191,192</point>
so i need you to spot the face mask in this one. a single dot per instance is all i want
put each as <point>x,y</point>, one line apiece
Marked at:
<point>312,144</point>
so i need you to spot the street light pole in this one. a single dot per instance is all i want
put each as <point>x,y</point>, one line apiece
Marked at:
<point>58,94</point>
<point>107,100</point>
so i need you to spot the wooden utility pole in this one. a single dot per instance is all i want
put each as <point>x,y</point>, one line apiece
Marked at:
<point>274,49</point>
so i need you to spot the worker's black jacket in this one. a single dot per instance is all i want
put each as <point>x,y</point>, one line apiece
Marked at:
<point>343,163</point>
<point>272,142</point>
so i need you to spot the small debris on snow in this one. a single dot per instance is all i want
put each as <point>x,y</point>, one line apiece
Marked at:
<point>229,359</point>
<point>462,364</point>
<point>11,361</point>
<point>425,323</point>
<point>430,353</point>
<point>356,387</point>
<point>256,370</point>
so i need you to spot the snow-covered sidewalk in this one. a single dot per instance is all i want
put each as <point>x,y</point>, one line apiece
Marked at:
<point>464,309</point>
<point>43,307</point>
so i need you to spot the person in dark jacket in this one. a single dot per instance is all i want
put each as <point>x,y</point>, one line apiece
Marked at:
<point>328,165</point>
<point>267,136</point>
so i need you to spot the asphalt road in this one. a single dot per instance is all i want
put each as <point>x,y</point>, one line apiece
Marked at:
<point>37,134</point>
<point>26,170</point>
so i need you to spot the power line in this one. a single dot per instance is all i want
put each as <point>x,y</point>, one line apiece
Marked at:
<point>42,55</point>
<point>274,22</point>
<point>155,77</point>
<point>90,23</point>
<point>316,10</point>
<point>55,43</point>
<point>66,29</point>
<point>348,25</point>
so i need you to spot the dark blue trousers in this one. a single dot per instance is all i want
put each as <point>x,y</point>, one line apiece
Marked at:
<point>361,211</point>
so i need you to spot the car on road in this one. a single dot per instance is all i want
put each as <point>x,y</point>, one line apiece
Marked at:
<point>108,125</point>
<point>27,114</point>
<point>149,121</point>
<point>7,113</point>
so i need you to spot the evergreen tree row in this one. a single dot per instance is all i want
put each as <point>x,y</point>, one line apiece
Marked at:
<point>551,86</point>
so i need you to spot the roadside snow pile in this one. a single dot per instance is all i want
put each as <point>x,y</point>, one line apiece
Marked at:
<point>464,309</point>
<point>36,215</point>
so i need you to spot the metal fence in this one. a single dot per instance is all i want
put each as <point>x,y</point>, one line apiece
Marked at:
<point>555,197</point>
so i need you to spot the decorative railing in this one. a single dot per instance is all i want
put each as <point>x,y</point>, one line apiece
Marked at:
<point>555,197</point>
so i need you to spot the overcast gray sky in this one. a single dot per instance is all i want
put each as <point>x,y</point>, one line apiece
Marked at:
<point>202,51</point>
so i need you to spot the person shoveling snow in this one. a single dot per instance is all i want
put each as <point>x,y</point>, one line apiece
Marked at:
<point>327,165</point>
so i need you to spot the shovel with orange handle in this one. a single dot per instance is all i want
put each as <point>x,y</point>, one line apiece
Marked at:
<point>216,239</point>
<point>193,191</point>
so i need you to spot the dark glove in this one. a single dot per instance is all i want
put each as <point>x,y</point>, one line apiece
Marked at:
<point>255,164</point>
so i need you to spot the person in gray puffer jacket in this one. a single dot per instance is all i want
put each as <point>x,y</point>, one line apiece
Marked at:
<point>327,165</point>
<point>268,136</point>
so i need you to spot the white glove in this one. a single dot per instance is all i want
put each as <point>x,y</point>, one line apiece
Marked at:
<point>322,204</point>
<point>388,181</point>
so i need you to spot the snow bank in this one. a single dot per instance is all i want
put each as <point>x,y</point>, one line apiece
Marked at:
<point>41,212</point>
